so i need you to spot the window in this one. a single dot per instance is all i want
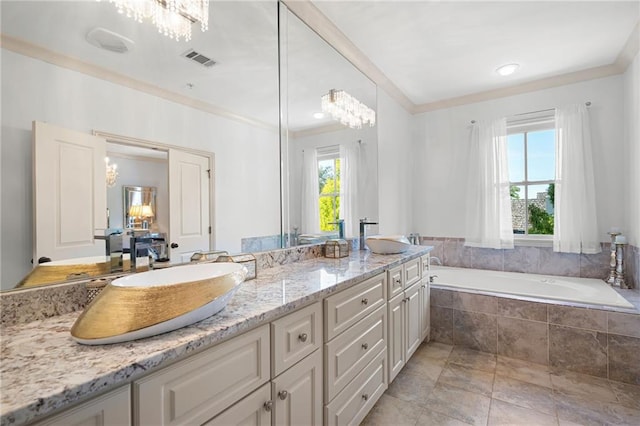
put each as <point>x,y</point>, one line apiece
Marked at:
<point>532,164</point>
<point>329,187</point>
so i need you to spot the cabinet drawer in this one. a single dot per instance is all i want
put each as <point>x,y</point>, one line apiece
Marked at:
<point>295,336</point>
<point>344,309</point>
<point>412,272</point>
<point>352,404</point>
<point>200,387</point>
<point>112,408</point>
<point>250,411</point>
<point>394,281</point>
<point>426,265</point>
<point>347,354</point>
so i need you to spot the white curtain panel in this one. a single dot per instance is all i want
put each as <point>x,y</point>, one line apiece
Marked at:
<point>349,160</point>
<point>575,221</point>
<point>488,215</point>
<point>310,193</point>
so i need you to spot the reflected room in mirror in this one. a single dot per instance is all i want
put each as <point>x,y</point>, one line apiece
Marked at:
<point>140,209</point>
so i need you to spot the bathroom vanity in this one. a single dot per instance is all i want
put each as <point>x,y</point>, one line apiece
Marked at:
<point>309,342</point>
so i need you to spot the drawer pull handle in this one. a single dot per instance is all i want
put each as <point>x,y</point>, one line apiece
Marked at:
<point>283,394</point>
<point>268,405</point>
<point>365,396</point>
<point>303,337</point>
<point>365,301</point>
<point>365,346</point>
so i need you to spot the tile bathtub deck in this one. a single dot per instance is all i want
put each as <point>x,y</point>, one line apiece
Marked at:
<point>446,385</point>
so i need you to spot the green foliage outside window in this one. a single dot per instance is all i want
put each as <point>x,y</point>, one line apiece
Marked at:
<point>541,222</point>
<point>329,182</point>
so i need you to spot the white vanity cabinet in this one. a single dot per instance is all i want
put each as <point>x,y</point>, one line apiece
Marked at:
<point>112,408</point>
<point>404,314</point>
<point>355,350</point>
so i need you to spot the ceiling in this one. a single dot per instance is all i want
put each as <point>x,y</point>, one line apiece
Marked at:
<point>428,52</point>
<point>435,51</point>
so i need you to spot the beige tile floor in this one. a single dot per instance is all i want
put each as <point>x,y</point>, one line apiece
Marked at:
<point>446,385</point>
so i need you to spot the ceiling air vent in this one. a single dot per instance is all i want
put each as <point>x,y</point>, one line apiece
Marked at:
<point>199,58</point>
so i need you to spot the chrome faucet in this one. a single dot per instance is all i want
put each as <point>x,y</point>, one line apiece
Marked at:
<point>363,223</point>
<point>433,259</point>
<point>340,223</point>
<point>113,248</point>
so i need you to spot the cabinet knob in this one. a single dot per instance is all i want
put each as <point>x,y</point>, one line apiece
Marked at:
<point>365,396</point>
<point>365,301</point>
<point>283,394</point>
<point>268,405</point>
<point>303,337</point>
<point>365,346</point>
<point>397,281</point>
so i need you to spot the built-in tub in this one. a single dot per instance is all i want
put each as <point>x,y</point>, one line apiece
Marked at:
<point>587,291</point>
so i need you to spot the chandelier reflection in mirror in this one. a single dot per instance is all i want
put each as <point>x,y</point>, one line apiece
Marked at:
<point>173,18</point>
<point>112,173</point>
<point>347,110</point>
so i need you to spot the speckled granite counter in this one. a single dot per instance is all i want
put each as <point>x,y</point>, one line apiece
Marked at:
<point>43,369</point>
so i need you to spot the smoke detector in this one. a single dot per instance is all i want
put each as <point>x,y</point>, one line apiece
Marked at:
<point>199,58</point>
<point>108,40</point>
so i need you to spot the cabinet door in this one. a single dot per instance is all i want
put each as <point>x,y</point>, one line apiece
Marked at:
<point>395,340</point>
<point>297,393</point>
<point>253,410</point>
<point>113,408</point>
<point>413,319</point>
<point>425,304</point>
<point>200,387</point>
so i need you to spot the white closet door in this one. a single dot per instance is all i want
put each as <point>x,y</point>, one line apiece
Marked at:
<point>70,192</point>
<point>189,204</point>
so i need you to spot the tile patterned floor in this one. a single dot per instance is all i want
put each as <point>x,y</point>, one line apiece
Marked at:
<point>446,385</point>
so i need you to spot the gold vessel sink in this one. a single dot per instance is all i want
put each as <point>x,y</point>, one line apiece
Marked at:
<point>149,303</point>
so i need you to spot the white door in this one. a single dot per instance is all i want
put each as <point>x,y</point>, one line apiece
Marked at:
<point>413,324</point>
<point>70,193</point>
<point>189,221</point>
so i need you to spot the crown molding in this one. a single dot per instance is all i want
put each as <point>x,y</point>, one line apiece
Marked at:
<point>26,48</point>
<point>532,86</point>
<point>630,49</point>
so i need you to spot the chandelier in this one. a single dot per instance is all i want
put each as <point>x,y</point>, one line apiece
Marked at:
<point>347,110</point>
<point>172,17</point>
<point>112,173</point>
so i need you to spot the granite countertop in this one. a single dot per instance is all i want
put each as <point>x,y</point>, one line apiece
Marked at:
<point>44,369</point>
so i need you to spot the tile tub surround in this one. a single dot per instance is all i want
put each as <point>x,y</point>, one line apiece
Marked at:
<point>43,369</point>
<point>596,342</point>
<point>534,260</point>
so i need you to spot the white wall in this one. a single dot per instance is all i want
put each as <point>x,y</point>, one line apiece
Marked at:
<point>247,160</point>
<point>632,150</point>
<point>367,171</point>
<point>441,147</point>
<point>396,160</point>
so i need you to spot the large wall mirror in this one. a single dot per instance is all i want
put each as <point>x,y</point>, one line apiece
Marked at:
<point>83,67</point>
<point>332,167</point>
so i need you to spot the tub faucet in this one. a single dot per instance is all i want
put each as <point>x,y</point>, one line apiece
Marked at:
<point>340,223</point>
<point>363,235</point>
<point>436,260</point>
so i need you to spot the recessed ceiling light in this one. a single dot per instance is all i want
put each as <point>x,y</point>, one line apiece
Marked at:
<point>507,69</point>
<point>318,115</point>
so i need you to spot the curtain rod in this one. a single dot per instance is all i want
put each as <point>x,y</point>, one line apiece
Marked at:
<point>588,103</point>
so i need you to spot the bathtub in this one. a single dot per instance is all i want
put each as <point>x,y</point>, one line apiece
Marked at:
<point>587,291</point>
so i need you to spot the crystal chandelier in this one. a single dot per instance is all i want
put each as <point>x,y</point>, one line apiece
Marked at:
<point>112,173</point>
<point>347,110</point>
<point>172,17</point>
